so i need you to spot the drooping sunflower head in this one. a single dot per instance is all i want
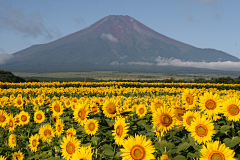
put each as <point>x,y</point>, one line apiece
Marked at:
<point>18,156</point>
<point>120,130</point>
<point>141,110</point>
<point>69,146</point>
<point>39,116</point>
<point>91,126</point>
<point>231,109</point>
<point>216,151</point>
<point>12,141</point>
<point>138,148</point>
<point>110,108</point>
<point>59,127</point>
<point>71,132</point>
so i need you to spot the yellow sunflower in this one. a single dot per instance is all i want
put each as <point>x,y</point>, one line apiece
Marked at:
<point>164,157</point>
<point>55,119</point>
<point>216,151</point>
<point>157,103</point>
<point>120,130</point>
<point>11,123</point>
<point>189,98</point>
<point>3,158</point>
<point>141,110</point>
<point>71,132</point>
<point>3,118</point>
<point>189,117</point>
<point>39,116</point>
<point>67,103</point>
<point>110,108</point>
<point>138,148</point>
<point>46,133</point>
<point>59,127</point>
<point>164,119</point>
<point>210,104</point>
<point>84,153</point>
<point>12,141</point>
<point>81,113</point>
<point>24,118</point>
<point>91,126</point>
<point>231,108</point>
<point>18,156</point>
<point>18,102</point>
<point>69,146</point>
<point>57,108</point>
<point>33,142</point>
<point>179,112</point>
<point>202,129</point>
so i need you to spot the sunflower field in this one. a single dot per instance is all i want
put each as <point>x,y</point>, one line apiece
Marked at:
<point>119,121</point>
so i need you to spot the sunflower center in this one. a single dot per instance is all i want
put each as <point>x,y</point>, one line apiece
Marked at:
<point>2,118</point>
<point>47,132</point>
<point>233,110</point>
<point>23,118</point>
<point>68,103</point>
<point>34,143</point>
<point>19,102</point>
<point>137,152</point>
<point>111,108</point>
<point>141,110</point>
<point>14,140</point>
<point>57,107</point>
<point>39,116</point>
<point>210,104</point>
<point>59,128</point>
<point>70,148</point>
<point>190,119</point>
<point>10,123</point>
<point>91,126</point>
<point>82,113</point>
<point>201,130</point>
<point>166,120</point>
<point>189,99</point>
<point>119,130</point>
<point>215,155</point>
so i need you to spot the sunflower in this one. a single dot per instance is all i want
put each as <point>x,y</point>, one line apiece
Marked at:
<point>110,108</point>
<point>231,109</point>
<point>164,119</point>
<point>69,146</point>
<point>179,112</point>
<point>12,142</point>
<point>216,151</point>
<point>3,158</point>
<point>18,102</point>
<point>81,113</point>
<point>18,156</point>
<point>157,103</point>
<point>67,103</point>
<point>46,133</point>
<point>164,157</point>
<point>84,153</point>
<point>39,116</point>
<point>138,148</point>
<point>141,110</point>
<point>188,118</point>
<point>33,142</point>
<point>24,118</point>
<point>202,129</point>
<point>91,126</point>
<point>55,119</point>
<point>120,130</point>
<point>3,118</point>
<point>11,123</point>
<point>57,108</point>
<point>189,98</point>
<point>210,103</point>
<point>59,127</point>
<point>71,132</point>
<point>35,108</point>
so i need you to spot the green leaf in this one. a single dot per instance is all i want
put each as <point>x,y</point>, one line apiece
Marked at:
<point>193,155</point>
<point>231,142</point>
<point>108,150</point>
<point>179,157</point>
<point>224,128</point>
<point>183,146</point>
<point>95,140</point>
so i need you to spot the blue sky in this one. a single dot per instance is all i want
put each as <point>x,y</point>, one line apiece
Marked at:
<point>201,23</point>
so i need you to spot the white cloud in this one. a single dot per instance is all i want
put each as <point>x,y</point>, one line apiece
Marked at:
<point>227,65</point>
<point>109,36</point>
<point>4,57</point>
<point>140,63</point>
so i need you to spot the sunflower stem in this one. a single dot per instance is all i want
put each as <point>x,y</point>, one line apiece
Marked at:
<point>160,139</point>
<point>233,129</point>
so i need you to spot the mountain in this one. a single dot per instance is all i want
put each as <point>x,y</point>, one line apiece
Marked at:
<point>113,40</point>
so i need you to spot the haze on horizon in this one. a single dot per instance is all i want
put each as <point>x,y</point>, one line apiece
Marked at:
<point>201,23</point>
